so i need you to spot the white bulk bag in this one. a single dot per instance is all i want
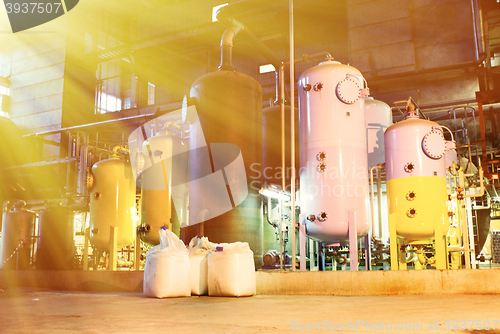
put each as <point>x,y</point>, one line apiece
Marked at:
<point>167,270</point>
<point>199,248</point>
<point>231,270</point>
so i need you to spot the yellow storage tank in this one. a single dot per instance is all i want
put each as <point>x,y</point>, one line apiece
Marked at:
<point>112,203</point>
<point>416,179</point>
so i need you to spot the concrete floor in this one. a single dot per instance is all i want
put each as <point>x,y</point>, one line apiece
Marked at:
<point>25,310</point>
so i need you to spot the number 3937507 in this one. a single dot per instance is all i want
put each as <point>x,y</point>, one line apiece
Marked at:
<point>33,7</point>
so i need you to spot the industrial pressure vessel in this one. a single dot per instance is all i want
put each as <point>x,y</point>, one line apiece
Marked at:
<point>164,198</point>
<point>229,107</point>
<point>112,203</point>
<point>17,225</point>
<point>271,146</point>
<point>333,154</point>
<point>450,157</point>
<point>416,178</point>
<point>12,153</point>
<point>378,118</point>
<point>56,243</point>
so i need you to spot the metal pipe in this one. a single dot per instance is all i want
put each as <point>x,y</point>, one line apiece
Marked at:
<point>412,75</point>
<point>283,166</point>
<point>475,25</point>
<point>83,168</point>
<point>169,125</point>
<point>226,44</point>
<point>280,98</point>
<point>118,149</point>
<point>253,40</point>
<point>380,166</point>
<point>69,150</point>
<point>5,207</point>
<point>292,128</point>
<point>379,200</point>
<point>76,127</point>
<point>282,110</point>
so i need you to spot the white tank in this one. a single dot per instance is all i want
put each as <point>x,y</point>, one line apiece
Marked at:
<point>333,154</point>
<point>378,118</point>
<point>450,157</point>
<point>164,184</point>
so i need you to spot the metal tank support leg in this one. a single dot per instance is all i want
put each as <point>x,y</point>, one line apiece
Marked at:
<point>137,252</point>
<point>393,242</point>
<point>113,240</point>
<point>368,253</point>
<point>440,251</point>
<point>86,249</point>
<point>323,256</point>
<point>353,239</point>
<point>302,241</point>
<point>402,254</point>
<point>312,256</point>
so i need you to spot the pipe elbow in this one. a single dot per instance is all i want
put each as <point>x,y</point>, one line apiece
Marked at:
<point>234,27</point>
<point>120,148</point>
<point>170,125</point>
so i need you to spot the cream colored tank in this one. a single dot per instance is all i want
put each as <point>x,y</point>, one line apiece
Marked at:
<point>112,203</point>
<point>164,185</point>
<point>333,151</point>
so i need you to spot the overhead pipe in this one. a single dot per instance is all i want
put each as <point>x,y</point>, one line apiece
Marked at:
<point>89,125</point>
<point>226,44</point>
<point>235,27</point>
<point>417,74</point>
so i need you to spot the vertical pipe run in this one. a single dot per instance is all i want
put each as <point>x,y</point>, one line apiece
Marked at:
<point>372,195</point>
<point>281,98</point>
<point>481,129</point>
<point>379,198</point>
<point>292,129</point>
<point>475,21</point>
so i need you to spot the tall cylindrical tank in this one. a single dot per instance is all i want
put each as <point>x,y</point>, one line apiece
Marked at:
<point>333,154</point>
<point>378,118</point>
<point>159,191</point>
<point>450,157</point>
<point>271,145</point>
<point>12,153</point>
<point>229,107</point>
<point>416,178</point>
<point>17,225</point>
<point>56,243</point>
<point>112,203</point>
